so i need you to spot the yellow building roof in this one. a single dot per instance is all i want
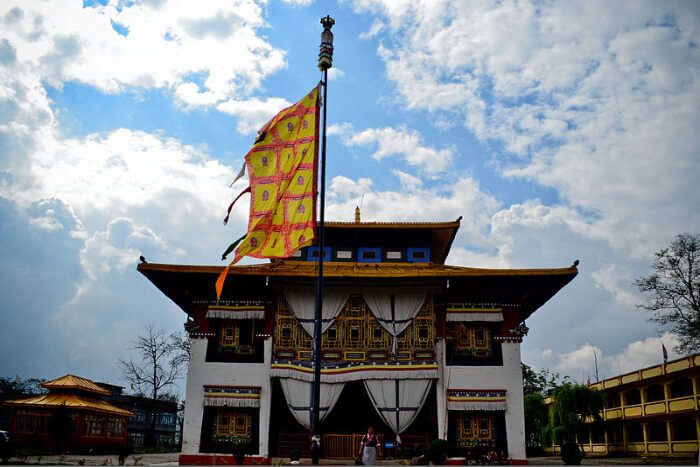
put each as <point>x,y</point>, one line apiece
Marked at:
<point>346,269</point>
<point>75,382</point>
<point>71,401</point>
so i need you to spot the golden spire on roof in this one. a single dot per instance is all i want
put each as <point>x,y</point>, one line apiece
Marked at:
<point>357,214</point>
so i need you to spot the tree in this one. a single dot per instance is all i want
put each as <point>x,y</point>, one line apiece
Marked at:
<point>673,291</point>
<point>540,381</point>
<point>162,359</point>
<point>13,387</point>
<point>572,405</point>
<point>536,418</point>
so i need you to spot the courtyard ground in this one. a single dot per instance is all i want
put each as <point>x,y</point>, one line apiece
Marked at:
<point>171,459</point>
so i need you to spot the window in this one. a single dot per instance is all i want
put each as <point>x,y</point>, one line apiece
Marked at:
<point>369,254</point>
<point>484,428</point>
<point>633,397</point>
<point>655,393</point>
<point>394,255</point>
<point>612,400</point>
<point>231,423</point>
<point>681,388</point>
<point>92,425</point>
<point>222,425</point>
<point>683,429</point>
<point>240,426</point>
<point>466,427</point>
<point>343,254</point>
<point>229,336</point>
<point>657,431</point>
<point>635,433</point>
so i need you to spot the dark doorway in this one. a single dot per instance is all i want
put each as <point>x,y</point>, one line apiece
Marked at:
<point>353,413</point>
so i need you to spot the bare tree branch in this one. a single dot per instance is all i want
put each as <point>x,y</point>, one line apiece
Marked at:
<point>673,290</point>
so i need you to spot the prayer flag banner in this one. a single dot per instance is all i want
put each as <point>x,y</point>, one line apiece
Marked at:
<point>282,169</point>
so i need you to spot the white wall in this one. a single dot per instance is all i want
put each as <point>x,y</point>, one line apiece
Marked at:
<point>508,377</point>
<point>202,373</point>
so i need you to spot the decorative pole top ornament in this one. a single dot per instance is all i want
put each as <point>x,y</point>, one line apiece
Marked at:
<point>325,56</point>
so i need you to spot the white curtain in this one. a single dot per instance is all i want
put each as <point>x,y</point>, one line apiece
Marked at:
<point>301,301</point>
<point>298,396</point>
<point>407,304</point>
<point>398,402</point>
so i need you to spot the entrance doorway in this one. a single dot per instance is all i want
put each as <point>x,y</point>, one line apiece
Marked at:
<point>345,425</point>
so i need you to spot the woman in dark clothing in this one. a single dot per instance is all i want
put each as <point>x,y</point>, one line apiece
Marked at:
<point>369,446</point>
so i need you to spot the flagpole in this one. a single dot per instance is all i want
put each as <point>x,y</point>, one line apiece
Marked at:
<point>324,63</point>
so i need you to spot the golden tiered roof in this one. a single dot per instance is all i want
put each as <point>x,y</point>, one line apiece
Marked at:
<point>75,382</point>
<point>71,401</point>
<point>67,390</point>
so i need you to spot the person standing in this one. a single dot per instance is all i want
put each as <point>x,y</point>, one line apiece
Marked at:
<point>369,446</point>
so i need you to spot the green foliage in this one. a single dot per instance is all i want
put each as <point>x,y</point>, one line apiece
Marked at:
<point>673,291</point>
<point>536,419</point>
<point>10,388</point>
<point>571,405</point>
<point>436,453</point>
<point>239,449</point>
<point>540,381</point>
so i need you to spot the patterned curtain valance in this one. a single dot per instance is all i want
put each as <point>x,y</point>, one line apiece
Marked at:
<point>239,311</point>
<point>232,396</point>
<point>458,312</point>
<point>476,399</point>
<point>357,372</point>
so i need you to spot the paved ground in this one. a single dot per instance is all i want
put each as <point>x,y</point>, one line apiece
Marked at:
<point>140,459</point>
<point>171,459</point>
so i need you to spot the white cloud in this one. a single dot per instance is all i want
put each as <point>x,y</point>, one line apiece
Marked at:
<point>253,113</point>
<point>339,128</point>
<point>408,181</point>
<point>335,74</point>
<point>618,284</point>
<point>580,363</point>
<point>207,53</point>
<point>596,100</point>
<point>406,143</point>
<point>376,27</point>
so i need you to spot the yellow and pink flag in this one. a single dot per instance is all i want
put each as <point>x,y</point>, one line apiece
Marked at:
<point>282,166</point>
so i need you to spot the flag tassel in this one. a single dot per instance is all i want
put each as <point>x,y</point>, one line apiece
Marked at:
<point>230,206</point>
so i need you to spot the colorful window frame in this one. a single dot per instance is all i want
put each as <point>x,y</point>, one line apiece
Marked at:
<point>369,255</point>
<point>231,423</point>
<point>312,253</point>
<point>418,255</point>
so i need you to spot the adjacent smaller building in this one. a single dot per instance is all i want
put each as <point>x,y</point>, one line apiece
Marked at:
<point>651,411</point>
<point>97,424</point>
<point>144,409</point>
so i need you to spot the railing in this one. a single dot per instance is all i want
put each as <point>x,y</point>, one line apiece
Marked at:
<point>664,406</point>
<point>345,446</point>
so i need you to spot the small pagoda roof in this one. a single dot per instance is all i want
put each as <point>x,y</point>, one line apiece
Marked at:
<point>76,383</point>
<point>70,401</point>
<point>527,288</point>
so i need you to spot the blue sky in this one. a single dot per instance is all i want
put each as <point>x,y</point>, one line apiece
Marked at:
<point>559,131</point>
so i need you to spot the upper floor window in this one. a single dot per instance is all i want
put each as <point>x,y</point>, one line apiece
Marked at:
<point>235,341</point>
<point>472,344</point>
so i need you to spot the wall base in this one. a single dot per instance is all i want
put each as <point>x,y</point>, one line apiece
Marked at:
<point>220,459</point>
<point>461,460</point>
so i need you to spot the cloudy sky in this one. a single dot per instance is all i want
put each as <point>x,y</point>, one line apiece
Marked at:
<point>559,130</point>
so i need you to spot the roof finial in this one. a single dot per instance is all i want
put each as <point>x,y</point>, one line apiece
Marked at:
<point>357,214</point>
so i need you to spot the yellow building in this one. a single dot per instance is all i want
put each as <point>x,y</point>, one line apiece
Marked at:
<point>648,412</point>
